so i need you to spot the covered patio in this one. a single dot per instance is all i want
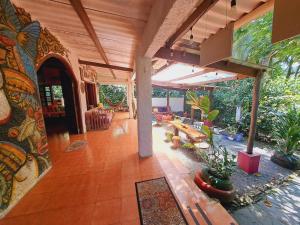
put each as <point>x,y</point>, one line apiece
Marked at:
<point>65,156</point>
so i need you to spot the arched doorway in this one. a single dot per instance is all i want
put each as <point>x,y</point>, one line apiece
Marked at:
<point>59,97</point>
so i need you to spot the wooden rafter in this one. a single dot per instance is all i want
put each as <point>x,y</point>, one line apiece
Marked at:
<point>215,80</point>
<point>191,21</point>
<point>204,71</point>
<point>78,7</point>
<point>235,67</point>
<point>102,65</point>
<point>167,65</point>
<point>178,56</point>
<point>172,86</point>
<point>224,65</point>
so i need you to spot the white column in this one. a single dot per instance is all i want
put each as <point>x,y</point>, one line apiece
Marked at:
<point>130,98</point>
<point>144,105</point>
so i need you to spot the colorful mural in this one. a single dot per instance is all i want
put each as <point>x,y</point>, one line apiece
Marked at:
<point>23,141</point>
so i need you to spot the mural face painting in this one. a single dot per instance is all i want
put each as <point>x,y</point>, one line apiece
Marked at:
<point>23,154</point>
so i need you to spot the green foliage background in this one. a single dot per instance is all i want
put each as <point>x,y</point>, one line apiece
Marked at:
<point>281,84</point>
<point>115,93</point>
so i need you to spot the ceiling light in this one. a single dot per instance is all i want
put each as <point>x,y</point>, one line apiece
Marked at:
<point>191,36</point>
<point>233,3</point>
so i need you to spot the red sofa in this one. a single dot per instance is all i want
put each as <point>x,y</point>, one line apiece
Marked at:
<point>98,119</point>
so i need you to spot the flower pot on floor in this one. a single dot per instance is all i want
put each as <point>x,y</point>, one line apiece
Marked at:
<point>202,182</point>
<point>207,123</point>
<point>176,142</point>
<point>291,162</point>
<point>238,137</point>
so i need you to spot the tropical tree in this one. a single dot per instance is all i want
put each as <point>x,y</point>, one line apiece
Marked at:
<point>281,83</point>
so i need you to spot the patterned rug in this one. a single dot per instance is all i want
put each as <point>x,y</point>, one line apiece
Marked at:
<point>157,204</point>
<point>76,145</point>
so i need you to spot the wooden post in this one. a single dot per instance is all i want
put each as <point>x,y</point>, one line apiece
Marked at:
<point>255,103</point>
<point>130,98</point>
<point>168,99</point>
<point>210,96</point>
<point>192,113</point>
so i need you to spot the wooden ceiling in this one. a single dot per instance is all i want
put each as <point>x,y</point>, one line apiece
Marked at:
<point>217,17</point>
<point>118,25</point>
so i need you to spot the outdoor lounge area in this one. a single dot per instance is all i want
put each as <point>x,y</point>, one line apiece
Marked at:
<point>150,112</point>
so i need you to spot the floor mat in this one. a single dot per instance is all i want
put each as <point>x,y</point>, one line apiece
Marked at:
<point>157,204</point>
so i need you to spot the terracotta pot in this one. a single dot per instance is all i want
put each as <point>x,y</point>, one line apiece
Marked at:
<point>223,196</point>
<point>176,142</point>
<point>207,123</point>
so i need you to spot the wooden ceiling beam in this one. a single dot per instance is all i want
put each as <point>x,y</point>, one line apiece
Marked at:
<point>173,86</point>
<point>205,6</point>
<point>234,67</point>
<point>178,56</point>
<point>102,65</point>
<point>194,59</point>
<point>79,9</point>
<point>204,71</point>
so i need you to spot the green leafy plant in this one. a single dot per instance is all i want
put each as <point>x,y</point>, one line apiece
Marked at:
<point>189,146</point>
<point>221,165</point>
<point>169,136</point>
<point>231,130</point>
<point>202,103</point>
<point>287,132</point>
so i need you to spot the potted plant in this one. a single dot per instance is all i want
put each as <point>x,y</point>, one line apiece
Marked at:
<point>188,146</point>
<point>230,132</point>
<point>233,133</point>
<point>288,140</point>
<point>203,103</point>
<point>169,136</point>
<point>215,179</point>
<point>176,142</point>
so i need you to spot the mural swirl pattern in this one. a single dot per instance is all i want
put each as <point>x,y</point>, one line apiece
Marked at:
<point>23,141</point>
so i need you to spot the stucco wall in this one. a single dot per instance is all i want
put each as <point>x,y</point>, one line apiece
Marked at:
<point>176,104</point>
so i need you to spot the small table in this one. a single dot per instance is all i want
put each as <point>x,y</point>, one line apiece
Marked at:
<point>193,134</point>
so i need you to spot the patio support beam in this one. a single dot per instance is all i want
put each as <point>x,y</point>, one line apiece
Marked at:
<point>130,98</point>
<point>144,105</point>
<point>79,9</point>
<point>255,103</point>
<point>168,98</point>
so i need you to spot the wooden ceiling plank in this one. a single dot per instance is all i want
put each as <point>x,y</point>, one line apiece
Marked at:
<point>102,65</point>
<point>204,7</point>
<point>78,7</point>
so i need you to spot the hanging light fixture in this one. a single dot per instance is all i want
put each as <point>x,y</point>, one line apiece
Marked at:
<point>191,36</point>
<point>233,3</point>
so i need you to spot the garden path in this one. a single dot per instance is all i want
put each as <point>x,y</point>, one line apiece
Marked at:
<point>269,173</point>
<point>284,211</point>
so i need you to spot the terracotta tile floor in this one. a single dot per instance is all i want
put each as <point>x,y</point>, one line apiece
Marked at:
<point>95,185</point>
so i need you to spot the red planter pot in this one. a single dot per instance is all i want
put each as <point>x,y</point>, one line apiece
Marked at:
<point>208,123</point>
<point>223,196</point>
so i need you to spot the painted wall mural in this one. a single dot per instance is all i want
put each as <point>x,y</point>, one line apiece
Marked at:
<point>23,141</point>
